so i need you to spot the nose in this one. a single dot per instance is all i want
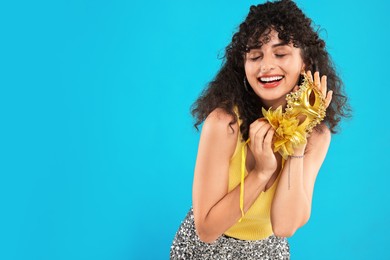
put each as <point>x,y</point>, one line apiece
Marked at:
<point>266,65</point>
<point>266,68</point>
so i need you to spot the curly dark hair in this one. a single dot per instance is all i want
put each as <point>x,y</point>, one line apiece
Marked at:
<point>227,89</point>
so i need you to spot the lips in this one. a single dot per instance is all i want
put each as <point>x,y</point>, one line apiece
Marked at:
<point>270,81</point>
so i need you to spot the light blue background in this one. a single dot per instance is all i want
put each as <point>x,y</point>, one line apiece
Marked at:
<point>97,147</point>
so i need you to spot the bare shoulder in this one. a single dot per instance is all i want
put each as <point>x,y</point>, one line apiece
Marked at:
<point>218,131</point>
<point>219,120</point>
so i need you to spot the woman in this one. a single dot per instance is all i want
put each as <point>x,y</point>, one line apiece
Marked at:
<point>266,60</point>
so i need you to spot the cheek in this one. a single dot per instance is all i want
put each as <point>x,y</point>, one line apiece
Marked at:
<point>293,67</point>
<point>250,68</point>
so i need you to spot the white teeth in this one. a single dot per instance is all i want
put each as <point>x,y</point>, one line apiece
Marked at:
<point>271,78</point>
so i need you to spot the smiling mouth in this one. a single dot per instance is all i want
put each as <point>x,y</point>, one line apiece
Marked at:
<point>265,80</point>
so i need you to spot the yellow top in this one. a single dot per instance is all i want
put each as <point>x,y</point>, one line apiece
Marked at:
<point>255,224</point>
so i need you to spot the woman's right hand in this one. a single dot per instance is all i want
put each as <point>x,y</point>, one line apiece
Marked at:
<point>261,134</point>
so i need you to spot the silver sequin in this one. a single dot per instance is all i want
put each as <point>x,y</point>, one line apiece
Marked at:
<point>187,245</point>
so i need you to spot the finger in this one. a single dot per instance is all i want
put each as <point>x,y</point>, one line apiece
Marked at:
<point>328,98</point>
<point>260,128</point>
<point>254,127</point>
<point>324,85</point>
<point>316,78</point>
<point>255,123</point>
<point>295,88</point>
<point>259,136</point>
<point>267,145</point>
<point>309,75</point>
<point>317,81</point>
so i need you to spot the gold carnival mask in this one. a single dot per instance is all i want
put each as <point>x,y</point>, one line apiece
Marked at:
<point>305,109</point>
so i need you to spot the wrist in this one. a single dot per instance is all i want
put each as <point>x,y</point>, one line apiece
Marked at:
<point>297,156</point>
<point>299,150</point>
<point>260,174</point>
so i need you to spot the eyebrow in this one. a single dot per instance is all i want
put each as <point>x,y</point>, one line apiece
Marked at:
<point>279,44</point>
<point>273,46</point>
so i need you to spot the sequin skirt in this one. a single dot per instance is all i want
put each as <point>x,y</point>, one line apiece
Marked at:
<point>187,245</point>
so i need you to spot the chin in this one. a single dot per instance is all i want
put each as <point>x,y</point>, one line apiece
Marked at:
<point>274,102</point>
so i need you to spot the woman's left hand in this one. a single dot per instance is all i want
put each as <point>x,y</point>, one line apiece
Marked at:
<point>322,86</point>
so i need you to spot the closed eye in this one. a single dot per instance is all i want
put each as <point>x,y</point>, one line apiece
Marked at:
<point>280,55</point>
<point>255,58</point>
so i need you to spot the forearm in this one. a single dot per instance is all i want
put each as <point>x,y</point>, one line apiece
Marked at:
<point>227,211</point>
<point>290,206</point>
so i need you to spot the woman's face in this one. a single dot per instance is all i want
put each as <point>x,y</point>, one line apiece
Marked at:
<point>273,70</point>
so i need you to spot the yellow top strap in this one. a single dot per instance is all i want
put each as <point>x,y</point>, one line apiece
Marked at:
<point>242,179</point>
